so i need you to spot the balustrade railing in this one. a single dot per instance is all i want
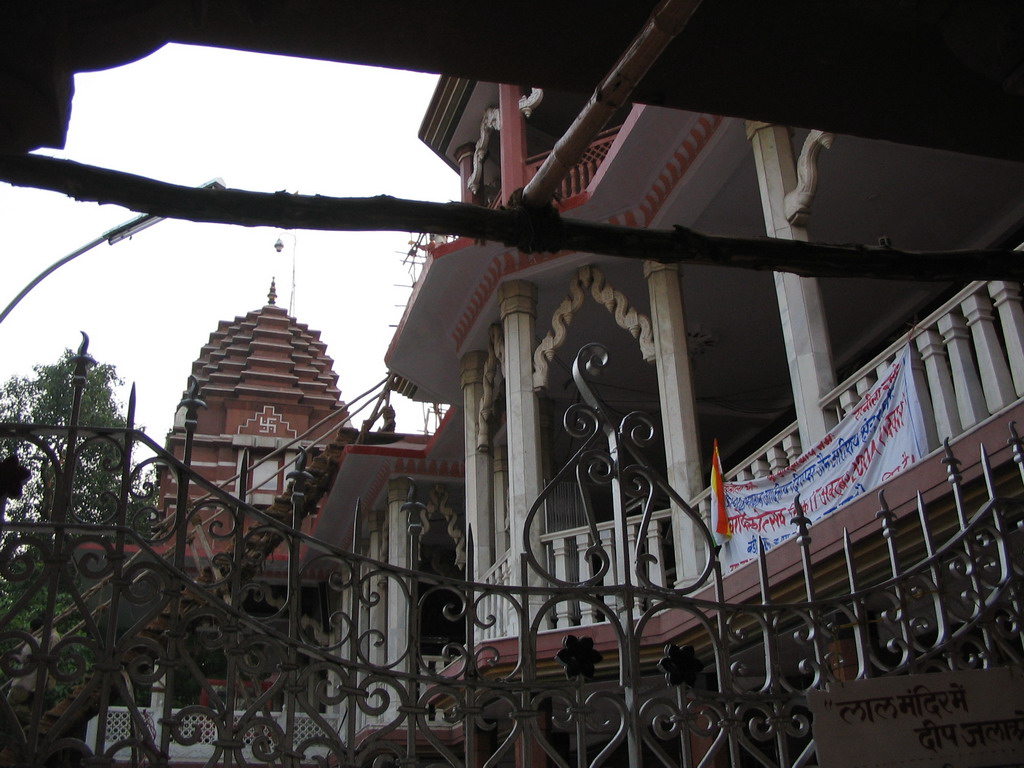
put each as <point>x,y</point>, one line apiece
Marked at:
<point>969,365</point>
<point>567,550</point>
<point>970,361</point>
<point>580,175</point>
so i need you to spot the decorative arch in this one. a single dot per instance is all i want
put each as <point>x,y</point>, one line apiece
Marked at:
<point>626,317</point>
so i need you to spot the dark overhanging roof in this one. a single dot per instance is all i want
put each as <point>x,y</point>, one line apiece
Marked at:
<point>947,74</point>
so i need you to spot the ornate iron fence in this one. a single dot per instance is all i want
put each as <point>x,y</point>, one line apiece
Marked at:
<point>153,650</point>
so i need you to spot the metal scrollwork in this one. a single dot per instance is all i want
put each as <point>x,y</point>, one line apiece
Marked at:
<point>200,628</point>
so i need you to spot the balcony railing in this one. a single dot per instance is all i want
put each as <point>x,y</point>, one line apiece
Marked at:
<point>580,175</point>
<point>969,366</point>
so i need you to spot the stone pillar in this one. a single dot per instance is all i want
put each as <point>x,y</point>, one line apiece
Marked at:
<point>678,408</point>
<point>518,301</point>
<point>499,487</point>
<point>478,465</point>
<point>800,304</point>
<point>398,554</point>
<point>513,141</point>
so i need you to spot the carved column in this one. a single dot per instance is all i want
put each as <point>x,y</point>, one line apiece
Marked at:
<point>478,465</point>
<point>513,141</point>
<point>678,407</point>
<point>518,300</point>
<point>800,304</point>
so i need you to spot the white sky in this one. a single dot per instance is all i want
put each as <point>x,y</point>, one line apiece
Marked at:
<point>263,123</point>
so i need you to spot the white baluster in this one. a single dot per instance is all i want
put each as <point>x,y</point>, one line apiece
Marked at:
<point>864,384</point>
<point>632,529</point>
<point>586,609</point>
<point>777,459</point>
<point>560,547</point>
<point>791,445</point>
<point>656,571</point>
<point>970,400</point>
<point>609,544</point>
<point>995,374</point>
<point>920,379</point>
<point>940,384</point>
<point>848,400</point>
<point>1011,319</point>
<point>759,468</point>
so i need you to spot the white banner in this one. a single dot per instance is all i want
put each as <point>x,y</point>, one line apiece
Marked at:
<point>881,437</point>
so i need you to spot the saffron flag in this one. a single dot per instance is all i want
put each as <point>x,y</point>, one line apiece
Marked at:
<point>720,525</point>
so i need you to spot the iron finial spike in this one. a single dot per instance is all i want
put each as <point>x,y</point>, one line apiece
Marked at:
<point>803,540</point>
<point>130,418</point>
<point>83,360</point>
<point>887,518</point>
<point>954,478</point>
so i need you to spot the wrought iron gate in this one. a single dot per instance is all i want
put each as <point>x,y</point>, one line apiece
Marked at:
<point>169,638</point>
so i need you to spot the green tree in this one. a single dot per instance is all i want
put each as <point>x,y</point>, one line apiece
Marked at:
<point>31,582</point>
<point>45,398</point>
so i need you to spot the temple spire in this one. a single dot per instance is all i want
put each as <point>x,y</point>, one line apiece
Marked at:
<point>272,296</point>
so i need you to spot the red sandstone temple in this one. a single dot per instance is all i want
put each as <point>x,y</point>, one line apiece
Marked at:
<point>267,382</point>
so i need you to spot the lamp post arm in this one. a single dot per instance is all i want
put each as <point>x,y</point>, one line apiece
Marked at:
<point>112,236</point>
<point>47,272</point>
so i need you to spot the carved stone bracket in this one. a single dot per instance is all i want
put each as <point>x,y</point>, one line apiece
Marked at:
<point>798,201</point>
<point>530,102</point>
<point>626,317</point>
<point>439,503</point>
<point>495,362</point>
<point>489,123</point>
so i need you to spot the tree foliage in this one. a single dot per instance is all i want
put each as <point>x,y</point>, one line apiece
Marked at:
<point>45,398</point>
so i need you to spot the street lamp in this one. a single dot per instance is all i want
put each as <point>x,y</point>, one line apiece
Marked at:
<point>121,232</point>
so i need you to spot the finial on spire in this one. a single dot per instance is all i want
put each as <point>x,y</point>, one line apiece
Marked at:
<point>272,296</point>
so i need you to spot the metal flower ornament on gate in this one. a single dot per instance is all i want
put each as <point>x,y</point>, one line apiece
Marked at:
<point>200,630</point>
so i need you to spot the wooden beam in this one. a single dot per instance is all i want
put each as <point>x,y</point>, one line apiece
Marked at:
<point>664,25</point>
<point>530,230</point>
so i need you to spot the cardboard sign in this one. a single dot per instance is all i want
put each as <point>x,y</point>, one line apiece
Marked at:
<point>957,719</point>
